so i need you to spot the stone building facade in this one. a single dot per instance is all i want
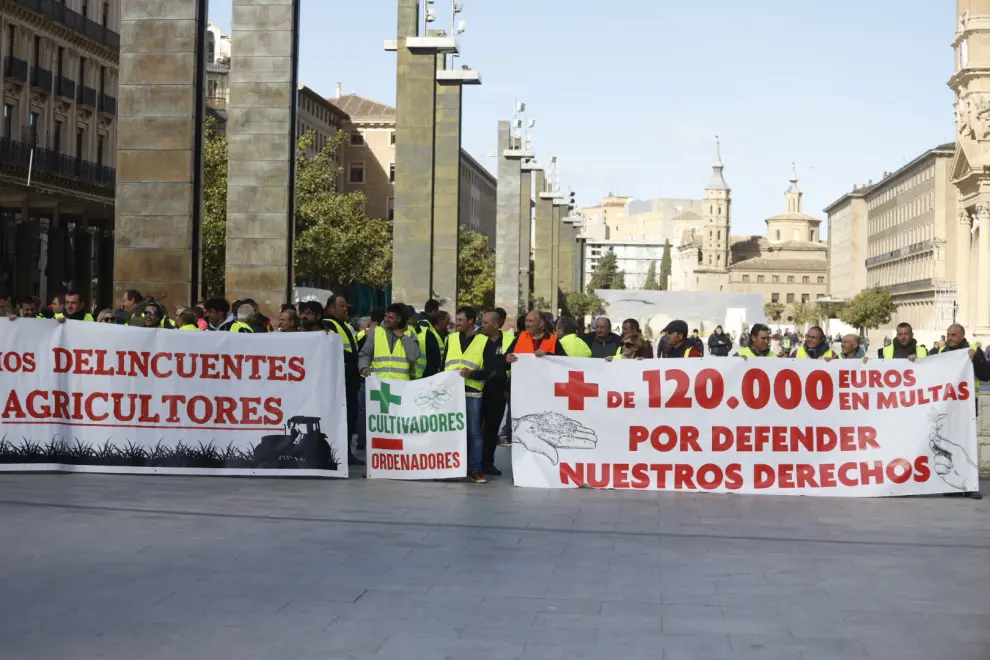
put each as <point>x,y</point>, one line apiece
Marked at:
<point>788,265</point>
<point>847,244</point>
<point>369,166</point>
<point>60,64</point>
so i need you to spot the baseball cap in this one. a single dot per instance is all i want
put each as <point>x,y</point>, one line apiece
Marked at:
<point>677,326</point>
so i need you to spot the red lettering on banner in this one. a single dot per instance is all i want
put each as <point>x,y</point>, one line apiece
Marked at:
<point>637,476</point>
<point>872,378</point>
<point>854,401</point>
<point>963,391</point>
<point>924,473</point>
<point>575,390</point>
<point>416,462</point>
<point>821,439</point>
<point>665,438</point>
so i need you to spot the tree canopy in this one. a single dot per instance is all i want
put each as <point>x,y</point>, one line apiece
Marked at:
<point>773,311</point>
<point>651,278</point>
<point>580,304</point>
<point>665,266</point>
<point>807,313</point>
<point>214,221</point>
<point>869,309</point>
<point>607,274</point>
<point>476,273</point>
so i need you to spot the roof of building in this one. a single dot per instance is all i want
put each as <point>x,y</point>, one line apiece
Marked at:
<point>794,216</point>
<point>718,181</point>
<point>316,98</point>
<point>359,107</point>
<point>764,263</point>
<point>688,215</point>
<point>472,162</point>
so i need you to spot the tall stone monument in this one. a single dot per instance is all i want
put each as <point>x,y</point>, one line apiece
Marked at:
<point>970,251</point>
<point>427,161</point>
<point>447,179</point>
<point>508,255</point>
<point>261,132</point>
<point>159,149</point>
<point>543,253</point>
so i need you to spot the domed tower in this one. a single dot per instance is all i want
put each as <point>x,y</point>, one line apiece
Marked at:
<point>718,201</point>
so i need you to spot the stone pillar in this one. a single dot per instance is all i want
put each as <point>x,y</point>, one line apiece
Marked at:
<point>446,193</point>
<point>963,240</point>
<point>983,270</point>
<point>159,148</point>
<point>555,301</point>
<point>24,262</point>
<point>415,135</point>
<point>56,256</point>
<point>507,255</point>
<point>525,230</point>
<point>261,129</point>
<point>565,250</point>
<point>543,254</point>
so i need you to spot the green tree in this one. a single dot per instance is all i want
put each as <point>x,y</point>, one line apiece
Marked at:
<point>619,280</point>
<point>539,304</point>
<point>214,229</point>
<point>580,304</point>
<point>665,266</point>
<point>476,273</point>
<point>869,309</point>
<point>651,278</point>
<point>336,243</point>
<point>605,273</point>
<point>807,313</point>
<point>773,310</point>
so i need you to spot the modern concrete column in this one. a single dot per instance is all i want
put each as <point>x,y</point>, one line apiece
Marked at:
<point>555,301</point>
<point>983,269</point>
<point>55,268</point>
<point>159,148</point>
<point>963,276</point>
<point>565,250</point>
<point>543,254</point>
<point>525,229</point>
<point>261,131</point>
<point>507,254</point>
<point>415,135</point>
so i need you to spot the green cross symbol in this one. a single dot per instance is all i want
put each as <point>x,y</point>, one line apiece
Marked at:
<point>385,398</point>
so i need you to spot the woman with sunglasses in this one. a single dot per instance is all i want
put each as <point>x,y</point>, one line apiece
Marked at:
<point>632,348</point>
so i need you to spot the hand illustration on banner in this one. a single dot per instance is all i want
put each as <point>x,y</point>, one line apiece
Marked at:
<point>433,400</point>
<point>952,461</point>
<point>545,433</point>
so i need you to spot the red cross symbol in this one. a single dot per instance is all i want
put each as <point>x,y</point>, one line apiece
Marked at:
<point>576,390</point>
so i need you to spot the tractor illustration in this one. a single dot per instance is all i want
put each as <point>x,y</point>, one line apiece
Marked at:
<point>303,446</point>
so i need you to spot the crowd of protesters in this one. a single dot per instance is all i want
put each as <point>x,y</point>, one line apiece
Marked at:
<point>400,343</point>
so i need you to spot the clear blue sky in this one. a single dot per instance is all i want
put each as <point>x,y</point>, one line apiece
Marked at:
<point>629,95</point>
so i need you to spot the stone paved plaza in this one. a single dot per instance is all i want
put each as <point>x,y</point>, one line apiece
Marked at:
<point>162,568</point>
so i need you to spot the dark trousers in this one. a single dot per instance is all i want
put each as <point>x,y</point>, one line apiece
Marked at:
<point>351,395</point>
<point>492,409</point>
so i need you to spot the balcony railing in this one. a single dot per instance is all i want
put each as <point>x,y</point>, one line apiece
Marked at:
<point>41,79</point>
<point>47,162</point>
<point>66,87</point>
<point>56,11</point>
<point>15,68</point>
<point>86,96</point>
<point>905,287</point>
<point>108,104</point>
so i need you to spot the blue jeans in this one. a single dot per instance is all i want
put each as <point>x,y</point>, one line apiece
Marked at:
<point>475,438</point>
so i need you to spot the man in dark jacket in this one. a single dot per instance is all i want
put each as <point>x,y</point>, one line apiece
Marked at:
<point>603,342</point>
<point>904,346</point>
<point>679,344</point>
<point>719,343</point>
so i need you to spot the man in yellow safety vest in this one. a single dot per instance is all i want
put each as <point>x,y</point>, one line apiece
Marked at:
<point>473,356</point>
<point>391,351</point>
<point>568,337</point>
<point>493,397</point>
<point>759,343</point>
<point>904,345</point>
<point>815,347</point>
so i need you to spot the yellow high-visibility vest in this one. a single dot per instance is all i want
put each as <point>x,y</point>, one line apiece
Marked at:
<point>576,347</point>
<point>473,358</point>
<point>390,365</point>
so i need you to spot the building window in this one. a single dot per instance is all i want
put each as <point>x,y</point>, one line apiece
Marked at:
<point>85,9</point>
<point>790,298</point>
<point>790,279</point>
<point>805,280</point>
<point>778,234</point>
<point>391,138</point>
<point>33,120</point>
<point>57,143</point>
<point>37,51</point>
<point>391,173</point>
<point>80,140</point>
<point>391,208</point>
<point>99,151</point>
<point>11,39</point>
<point>775,297</point>
<point>821,279</point>
<point>357,140</point>
<point>805,297</point>
<point>760,278</point>
<point>106,13</point>
<point>356,173</point>
<point>745,278</point>
<point>775,278</point>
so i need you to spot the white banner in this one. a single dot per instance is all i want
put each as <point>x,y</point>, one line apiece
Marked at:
<point>92,397</point>
<point>416,429</point>
<point>787,427</point>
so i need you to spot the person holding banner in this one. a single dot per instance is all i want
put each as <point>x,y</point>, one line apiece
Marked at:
<point>473,356</point>
<point>493,396</point>
<point>815,347</point>
<point>904,345</point>
<point>633,348</point>
<point>568,337</point>
<point>759,343</point>
<point>73,309</point>
<point>537,339</point>
<point>391,351</point>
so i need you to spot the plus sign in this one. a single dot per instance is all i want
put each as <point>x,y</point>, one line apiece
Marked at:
<point>385,398</point>
<point>576,390</point>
